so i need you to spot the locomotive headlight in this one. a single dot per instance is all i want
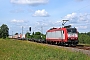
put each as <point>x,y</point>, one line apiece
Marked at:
<point>76,35</point>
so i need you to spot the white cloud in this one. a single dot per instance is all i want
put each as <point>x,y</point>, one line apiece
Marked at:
<point>41,13</point>
<point>17,21</point>
<point>30,2</point>
<point>77,17</point>
<point>84,18</point>
<point>70,16</point>
<point>73,17</point>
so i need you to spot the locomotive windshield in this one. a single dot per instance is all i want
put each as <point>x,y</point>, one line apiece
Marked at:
<point>71,30</point>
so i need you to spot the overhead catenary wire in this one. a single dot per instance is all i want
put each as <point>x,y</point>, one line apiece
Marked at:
<point>82,8</point>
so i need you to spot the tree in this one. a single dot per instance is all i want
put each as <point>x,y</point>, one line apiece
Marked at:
<point>88,33</point>
<point>37,33</point>
<point>27,35</point>
<point>33,33</point>
<point>84,38</point>
<point>16,33</point>
<point>4,31</point>
<point>0,33</point>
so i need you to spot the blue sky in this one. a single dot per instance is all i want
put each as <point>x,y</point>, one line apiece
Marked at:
<point>41,15</point>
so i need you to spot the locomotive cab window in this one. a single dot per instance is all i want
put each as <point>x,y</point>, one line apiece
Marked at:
<point>71,30</point>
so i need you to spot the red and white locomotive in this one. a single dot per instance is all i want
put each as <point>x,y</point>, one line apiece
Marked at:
<point>65,35</point>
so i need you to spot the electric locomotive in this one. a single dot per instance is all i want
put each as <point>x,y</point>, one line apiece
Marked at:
<point>63,36</point>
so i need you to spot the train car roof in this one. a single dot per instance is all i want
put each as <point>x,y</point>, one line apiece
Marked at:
<point>55,29</point>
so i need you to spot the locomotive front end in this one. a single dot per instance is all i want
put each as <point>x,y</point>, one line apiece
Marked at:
<point>72,36</point>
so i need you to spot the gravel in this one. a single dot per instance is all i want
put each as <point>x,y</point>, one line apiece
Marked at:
<point>87,52</point>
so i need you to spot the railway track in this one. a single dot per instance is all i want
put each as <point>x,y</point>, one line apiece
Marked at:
<point>84,47</point>
<point>80,48</point>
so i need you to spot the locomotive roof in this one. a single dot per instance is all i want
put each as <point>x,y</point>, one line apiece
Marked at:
<point>56,29</point>
<point>53,29</point>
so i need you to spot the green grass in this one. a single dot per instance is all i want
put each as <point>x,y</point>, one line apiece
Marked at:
<point>25,50</point>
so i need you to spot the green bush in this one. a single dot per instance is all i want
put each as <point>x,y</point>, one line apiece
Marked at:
<point>84,38</point>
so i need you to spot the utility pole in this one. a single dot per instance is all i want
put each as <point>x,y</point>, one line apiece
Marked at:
<point>12,34</point>
<point>22,30</point>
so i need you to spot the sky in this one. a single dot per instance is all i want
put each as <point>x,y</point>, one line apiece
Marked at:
<point>42,15</point>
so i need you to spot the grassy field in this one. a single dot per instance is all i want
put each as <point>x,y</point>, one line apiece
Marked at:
<point>25,50</point>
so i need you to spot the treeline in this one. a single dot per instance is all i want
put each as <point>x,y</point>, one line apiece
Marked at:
<point>36,35</point>
<point>84,38</point>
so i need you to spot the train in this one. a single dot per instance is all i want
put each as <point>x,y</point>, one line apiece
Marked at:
<point>62,36</point>
<point>65,35</point>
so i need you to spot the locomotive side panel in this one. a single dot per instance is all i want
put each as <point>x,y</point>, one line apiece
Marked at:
<point>57,35</point>
<point>60,34</point>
